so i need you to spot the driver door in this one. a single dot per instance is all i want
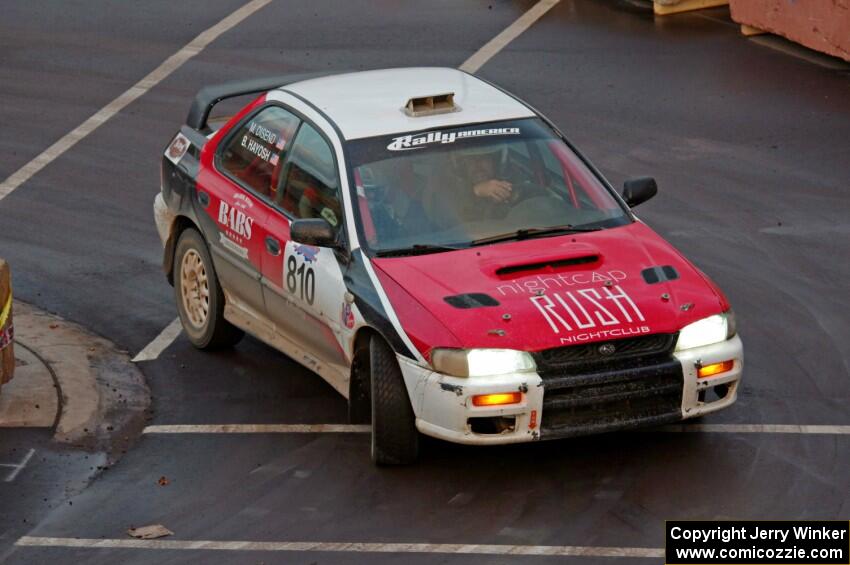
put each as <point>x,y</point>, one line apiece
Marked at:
<point>302,284</point>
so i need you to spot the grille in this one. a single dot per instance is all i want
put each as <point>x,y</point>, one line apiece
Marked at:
<point>587,356</point>
<point>585,392</point>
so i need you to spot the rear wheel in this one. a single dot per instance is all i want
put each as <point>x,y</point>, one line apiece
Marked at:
<point>200,300</point>
<point>395,440</point>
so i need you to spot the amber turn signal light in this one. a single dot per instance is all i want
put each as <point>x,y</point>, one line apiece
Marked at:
<point>715,369</point>
<point>497,399</point>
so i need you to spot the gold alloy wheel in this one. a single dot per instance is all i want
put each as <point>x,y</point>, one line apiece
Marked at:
<point>195,289</point>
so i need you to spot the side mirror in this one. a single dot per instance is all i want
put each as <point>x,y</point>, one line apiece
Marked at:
<point>639,190</point>
<point>313,231</point>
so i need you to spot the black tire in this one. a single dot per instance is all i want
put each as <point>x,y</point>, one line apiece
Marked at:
<point>395,440</point>
<point>213,332</point>
<point>360,387</point>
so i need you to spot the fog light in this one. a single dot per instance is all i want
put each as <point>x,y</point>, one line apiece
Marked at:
<point>492,425</point>
<point>721,391</point>
<point>715,369</point>
<point>498,399</point>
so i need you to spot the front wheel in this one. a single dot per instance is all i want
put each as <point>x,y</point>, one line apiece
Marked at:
<point>200,300</point>
<point>395,440</point>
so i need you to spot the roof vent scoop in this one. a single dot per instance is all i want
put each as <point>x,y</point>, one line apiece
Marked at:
<point>430,105</point>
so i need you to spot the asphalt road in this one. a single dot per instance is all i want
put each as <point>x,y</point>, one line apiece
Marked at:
<point>750,148</point>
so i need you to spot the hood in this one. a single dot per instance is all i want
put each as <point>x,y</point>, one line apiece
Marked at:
<point>557,291</point>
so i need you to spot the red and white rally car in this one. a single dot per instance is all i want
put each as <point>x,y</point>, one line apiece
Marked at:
<point>437,251</point>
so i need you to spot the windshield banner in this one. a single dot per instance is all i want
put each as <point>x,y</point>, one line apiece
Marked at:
<point>419,141</point>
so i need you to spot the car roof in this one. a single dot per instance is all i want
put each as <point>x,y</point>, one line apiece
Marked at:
<point>371,103</point>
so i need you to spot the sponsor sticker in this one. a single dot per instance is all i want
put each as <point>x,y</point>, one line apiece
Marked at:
<point>242,201</point>
<point>533,285</point>
<point>232,217</point>
<point>347,316</point>
<point>309,252</point>
<point>330,216</point>
<point>231,245</point>
<point>422,140</point>
<point>591,312</point>
<point>177,148</point>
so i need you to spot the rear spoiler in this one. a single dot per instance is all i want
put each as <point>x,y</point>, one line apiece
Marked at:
<point>209,96</point>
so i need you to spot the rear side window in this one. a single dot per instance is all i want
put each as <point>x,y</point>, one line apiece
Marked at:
<point>311,188</point>
<point>254,155</point>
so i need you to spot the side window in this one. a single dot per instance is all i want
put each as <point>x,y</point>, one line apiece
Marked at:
<point>519,159</point>
<point>311,189</point>
<point>255,154</point>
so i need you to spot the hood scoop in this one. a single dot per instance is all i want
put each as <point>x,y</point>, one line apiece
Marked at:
<point>471,300</point>
<point>654,275</point>
<point>546,266</point>
<point>543,260</point>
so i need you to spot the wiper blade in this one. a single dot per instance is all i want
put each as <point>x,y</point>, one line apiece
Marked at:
<point>415,249</point>
<point>532,232</point>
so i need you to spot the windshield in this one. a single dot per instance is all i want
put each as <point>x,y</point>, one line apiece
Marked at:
<point>440,189</point>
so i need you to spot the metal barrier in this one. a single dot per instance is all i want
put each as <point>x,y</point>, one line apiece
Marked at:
<point>823,25</point>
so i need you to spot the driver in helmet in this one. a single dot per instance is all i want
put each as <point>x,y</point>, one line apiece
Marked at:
<point>478,167</point>
<point>468,186</point>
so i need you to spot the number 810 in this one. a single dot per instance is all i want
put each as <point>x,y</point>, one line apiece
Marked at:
<point>303,276</point>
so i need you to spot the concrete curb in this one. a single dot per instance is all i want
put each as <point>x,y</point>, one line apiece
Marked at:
<point>31,399</point>
<point>103,398</point>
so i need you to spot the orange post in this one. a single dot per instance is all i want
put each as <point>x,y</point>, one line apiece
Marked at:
<point>7,353</point>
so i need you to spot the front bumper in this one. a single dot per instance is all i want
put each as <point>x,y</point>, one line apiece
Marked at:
<point>641,394</point>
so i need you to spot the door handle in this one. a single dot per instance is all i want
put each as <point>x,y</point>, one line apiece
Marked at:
<point>272,245</point>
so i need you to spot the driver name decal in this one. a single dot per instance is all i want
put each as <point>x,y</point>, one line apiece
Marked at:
<point>419,141</point>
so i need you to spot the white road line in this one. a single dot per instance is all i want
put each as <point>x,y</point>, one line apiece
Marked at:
<point>258,429</point>
<point>346,547</point>
<point>525,21</point>
<point>18,467</point>
<point>160,342</point>
<point>155,77</point>
<point>757,429</point>
<point>362,429</point>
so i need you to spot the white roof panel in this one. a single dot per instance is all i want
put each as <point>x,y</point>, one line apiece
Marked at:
<point>371,103</point>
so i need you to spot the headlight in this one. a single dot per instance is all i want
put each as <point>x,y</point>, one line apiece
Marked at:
<point>712,329</point>
<point>481,362</point>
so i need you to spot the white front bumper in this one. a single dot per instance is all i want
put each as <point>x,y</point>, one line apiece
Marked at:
<point>443,404</point>
<point>693,359</point>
